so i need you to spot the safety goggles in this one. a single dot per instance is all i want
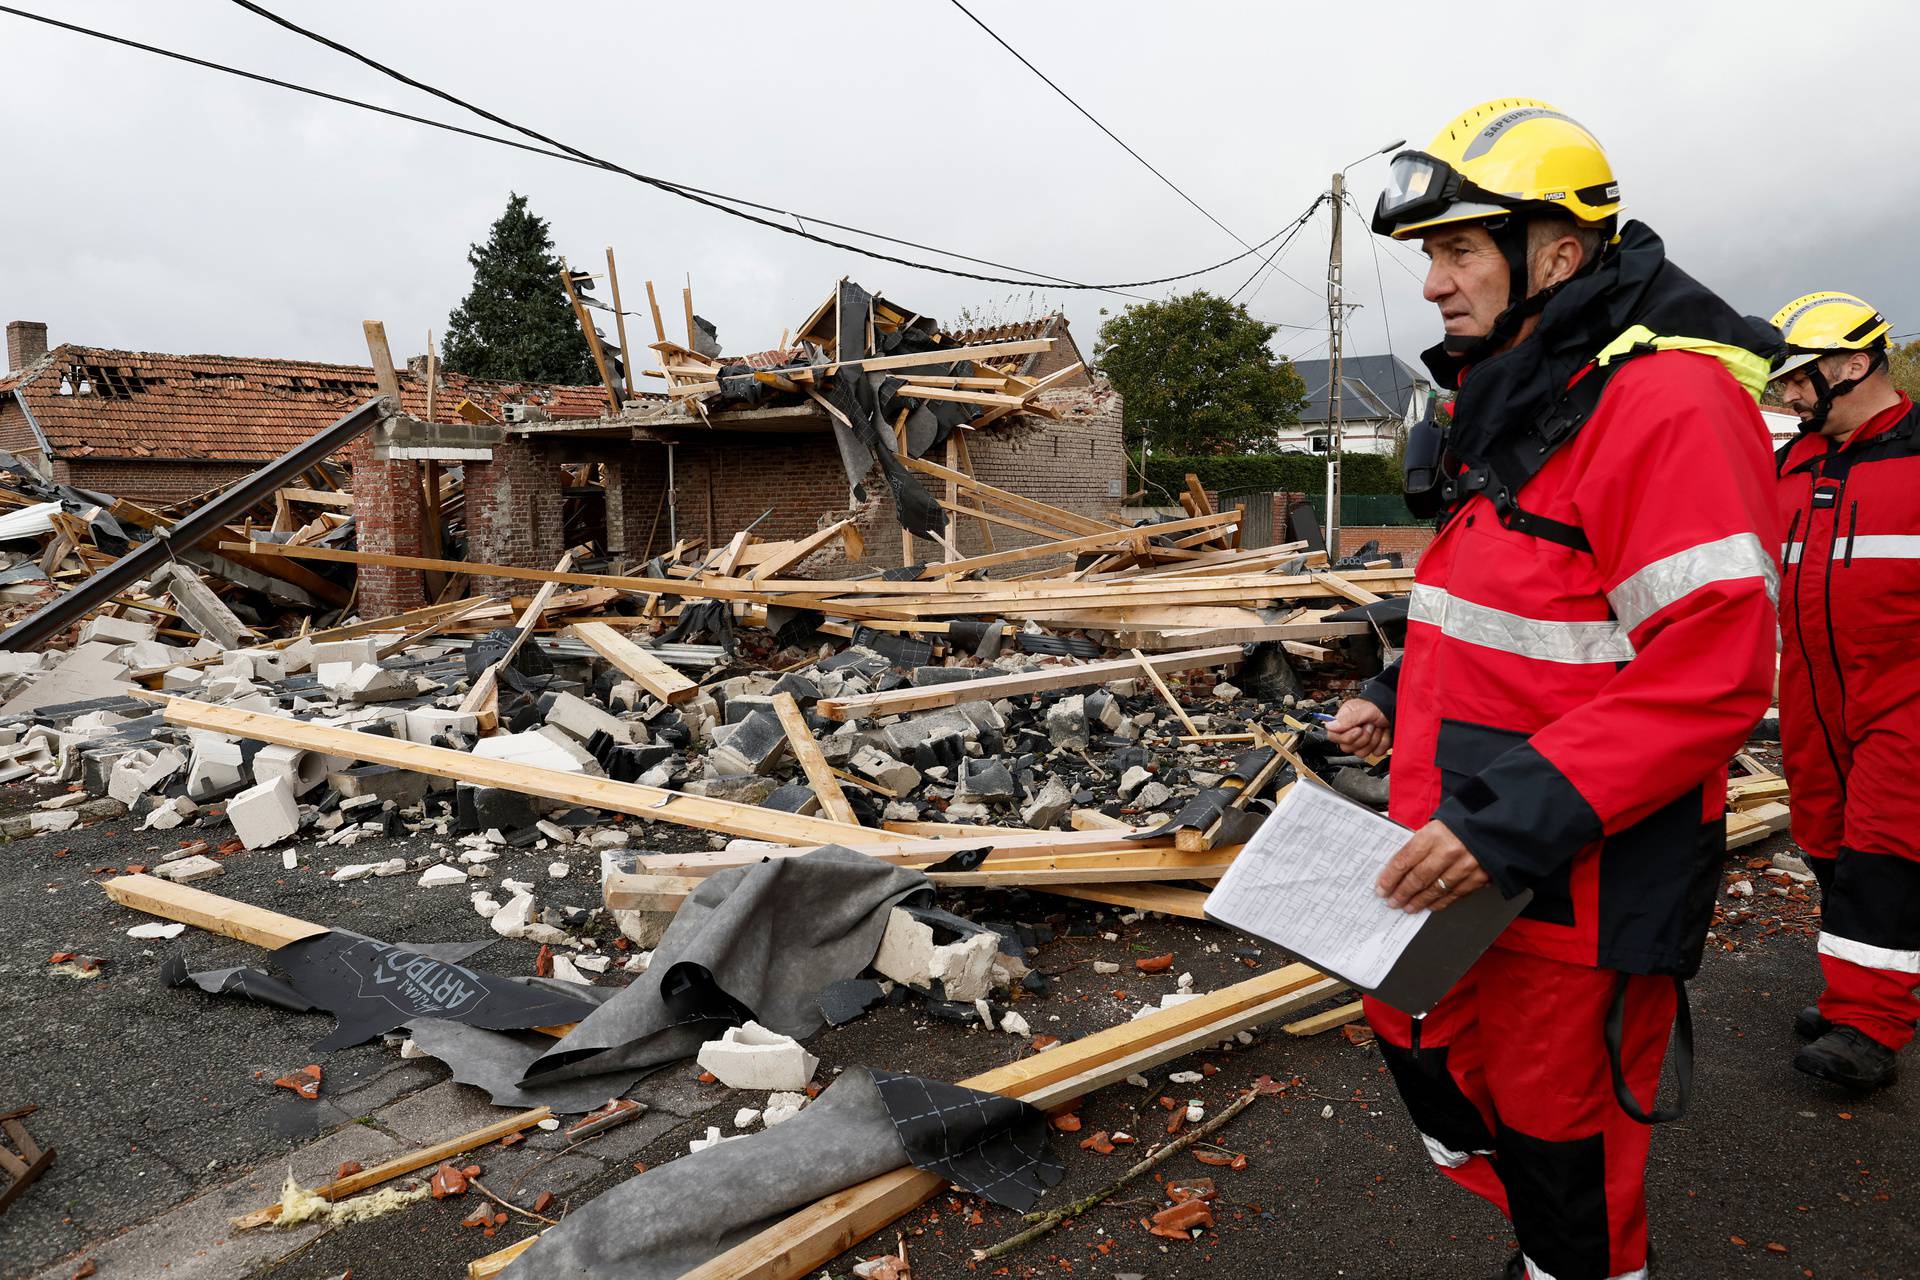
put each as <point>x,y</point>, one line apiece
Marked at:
<point>1421,188</point>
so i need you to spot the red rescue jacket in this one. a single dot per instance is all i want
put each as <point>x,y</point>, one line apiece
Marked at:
<point>1850,605</point>
<point>1569,713</point>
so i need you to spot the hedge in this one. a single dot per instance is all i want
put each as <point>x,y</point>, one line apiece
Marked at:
<point>1284,472</point>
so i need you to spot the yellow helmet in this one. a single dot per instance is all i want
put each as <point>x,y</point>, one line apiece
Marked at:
<point>1510,155</point>
<point>1820,324</point>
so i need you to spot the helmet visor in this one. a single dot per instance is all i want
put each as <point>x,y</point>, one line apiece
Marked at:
<point>1418,187</point>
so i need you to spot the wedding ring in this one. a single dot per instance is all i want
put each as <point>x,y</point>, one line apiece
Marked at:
<point>1442,882</point>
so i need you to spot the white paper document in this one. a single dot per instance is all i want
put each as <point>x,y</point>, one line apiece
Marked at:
<point>1305,882</point>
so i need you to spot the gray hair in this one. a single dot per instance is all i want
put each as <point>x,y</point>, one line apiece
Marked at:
<point>1544,229</point>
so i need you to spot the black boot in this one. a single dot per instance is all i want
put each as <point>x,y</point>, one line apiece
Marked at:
<point>1850,1057</point>
<point>1809,1024</point>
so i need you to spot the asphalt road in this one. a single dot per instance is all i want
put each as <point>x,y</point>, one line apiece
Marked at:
<point>154,1096</point>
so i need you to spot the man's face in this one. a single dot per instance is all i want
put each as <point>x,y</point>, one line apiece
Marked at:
<point>1467,278</point>
<point>1796,389</point>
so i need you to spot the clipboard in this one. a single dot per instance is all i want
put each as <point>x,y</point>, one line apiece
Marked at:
<point>1304,882</point>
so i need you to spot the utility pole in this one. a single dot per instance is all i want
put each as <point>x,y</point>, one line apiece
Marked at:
<point>1336,416</point>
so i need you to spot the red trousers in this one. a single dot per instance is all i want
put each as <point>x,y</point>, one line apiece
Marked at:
<point>1508,1081</point>
<point>1856,814</point>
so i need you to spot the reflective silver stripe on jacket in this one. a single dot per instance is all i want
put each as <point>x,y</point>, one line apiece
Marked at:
<point>1878,546</point>
<point>1869,957</point>
<point>1675,577</point>
<point>1572,642</point>
<point>1790,552</point>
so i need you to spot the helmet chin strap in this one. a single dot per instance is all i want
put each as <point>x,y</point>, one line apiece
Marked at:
<point>1825,393</point>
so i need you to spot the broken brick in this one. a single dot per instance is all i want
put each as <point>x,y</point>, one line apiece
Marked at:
<point>1098,1143</point>
<point>305,1081</point>
<point>1177,1222</point>
<point>447,1181</point>
<point>1067,1123</point>
<point>347,1169</point>
<point>542,1201</point>
<point>1155,964</point>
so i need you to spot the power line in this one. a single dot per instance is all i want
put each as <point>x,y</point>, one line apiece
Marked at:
<point>1037,280</point>
<point>1290,231</point>
<point>684,192</point>
<point>1265,274</point>
<point>1048,80</point>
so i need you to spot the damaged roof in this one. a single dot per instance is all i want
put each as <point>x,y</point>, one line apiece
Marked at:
<point>97,402</point>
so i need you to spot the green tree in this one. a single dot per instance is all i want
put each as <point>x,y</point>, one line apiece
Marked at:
<point>516,324</point>
<point>1197,375</point>
<point>1903,366</point>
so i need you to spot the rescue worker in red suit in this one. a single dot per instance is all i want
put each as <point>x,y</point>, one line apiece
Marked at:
<point>1590,639</point>
<point>1850,677</point>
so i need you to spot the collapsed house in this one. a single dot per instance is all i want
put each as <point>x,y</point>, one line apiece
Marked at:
<point>780,440</point>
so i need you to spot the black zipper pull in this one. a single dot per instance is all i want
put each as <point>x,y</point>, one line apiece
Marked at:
<point>1853,523</point>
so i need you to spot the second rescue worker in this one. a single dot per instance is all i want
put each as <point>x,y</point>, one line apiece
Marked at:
<point>1850,677</point>
<point>1590,639</point>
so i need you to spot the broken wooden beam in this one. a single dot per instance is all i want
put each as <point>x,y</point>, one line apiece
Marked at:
<point>898,701</point>
<point>653,803</point>
<point>634,662</point>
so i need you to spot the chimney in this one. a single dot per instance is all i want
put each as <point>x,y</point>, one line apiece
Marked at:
<point>26,342</point>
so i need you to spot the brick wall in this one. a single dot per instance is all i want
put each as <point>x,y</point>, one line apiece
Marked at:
<point>152,482</point>
<point>725,481</point>
<point>387,509</point>
<point>16,433</point>
<point>513,512</point>
<point>1408,539</point>
<point>1056,358</point>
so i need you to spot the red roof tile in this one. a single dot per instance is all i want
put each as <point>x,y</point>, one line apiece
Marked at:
<point>141,404</point>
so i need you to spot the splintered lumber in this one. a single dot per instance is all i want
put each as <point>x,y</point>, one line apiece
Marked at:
<point>480,698</point>
<point>1342,587</point>
<point>1188,904</point>
<point>908,852</point>
<point>399,1166</point>
<point>639,666</point>
<point>826,787</point>
<point>209,911</point>
<point>634,798</point>
<point>803,1241</point>
<point>1045,513</point>
<point>1327,1021</point>
<point>896,701</point>
<point>1750,826</point>
<point>651,890</point>
<point>1136,538</point>
<point>1151,667</point>
<point>794,552</point>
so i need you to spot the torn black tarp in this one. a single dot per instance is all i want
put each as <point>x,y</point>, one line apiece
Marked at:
<point>669,1220</point>
<point>857,400</point>
<point>703,622</point>
<point>257,984</point>
<point>762,939</point>
<point>372,987</point>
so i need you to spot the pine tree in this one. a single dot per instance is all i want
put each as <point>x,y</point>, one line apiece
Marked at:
<point>515,324</point>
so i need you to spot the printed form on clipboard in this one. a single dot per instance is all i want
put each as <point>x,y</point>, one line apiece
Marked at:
<point>1305,882</point>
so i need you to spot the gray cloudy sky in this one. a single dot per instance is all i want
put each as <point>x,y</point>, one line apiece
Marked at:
<point>158,206</point>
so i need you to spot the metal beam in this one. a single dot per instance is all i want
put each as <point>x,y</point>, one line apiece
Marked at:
<point>206,522</point>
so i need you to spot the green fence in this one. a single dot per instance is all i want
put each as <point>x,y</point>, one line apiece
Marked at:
<point>1366,508</point>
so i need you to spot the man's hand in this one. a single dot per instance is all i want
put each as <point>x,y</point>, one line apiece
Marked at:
<point>1432,870</point>
<point>1359,728</point>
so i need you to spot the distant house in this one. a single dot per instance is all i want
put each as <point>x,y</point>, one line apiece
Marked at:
<point>1381,397</point>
